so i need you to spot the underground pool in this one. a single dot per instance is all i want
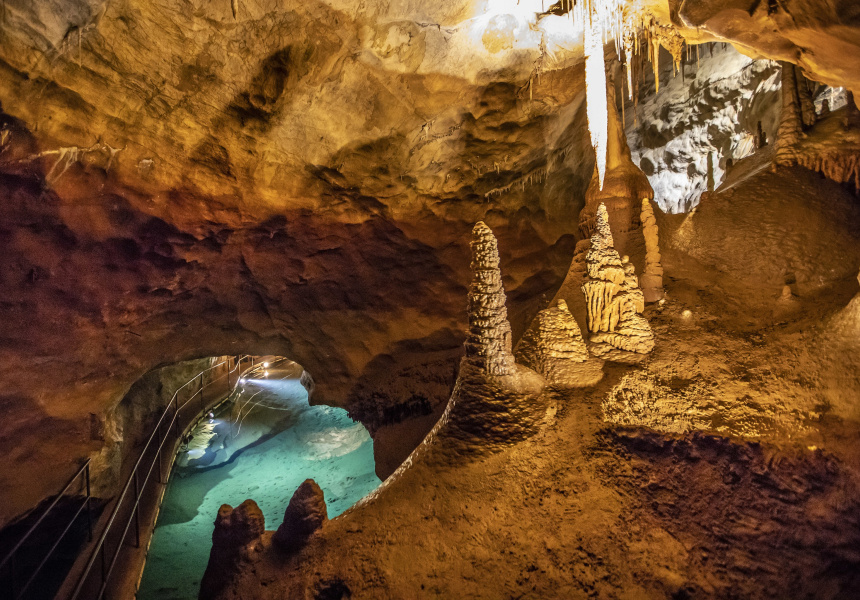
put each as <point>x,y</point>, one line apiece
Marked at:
<point>262,443</point>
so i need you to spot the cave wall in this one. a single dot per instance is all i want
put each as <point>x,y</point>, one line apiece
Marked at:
<point>711,106</point>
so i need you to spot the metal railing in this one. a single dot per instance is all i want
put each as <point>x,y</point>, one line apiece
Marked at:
<point>9,561</point>
<point>93,583</point>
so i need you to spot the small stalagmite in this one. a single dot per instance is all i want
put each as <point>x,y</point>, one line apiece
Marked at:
<point>488,341</point>
<point>305,514</point>
<point>237,531</point>
<point>553,346</point>
<point>613,298</point>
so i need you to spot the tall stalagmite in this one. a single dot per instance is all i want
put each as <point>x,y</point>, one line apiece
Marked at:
<point>613,298</point>
<point>488,341</point>
<point>495,401</point>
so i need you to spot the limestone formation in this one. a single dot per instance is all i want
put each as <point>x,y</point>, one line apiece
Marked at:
<point>840,161</point>
<point>553,346</point>
<point>624,186</point>
<point>305,514</point>
<point>804,95</point>
<point>236,530</point>
<point>488,341</point>
<point>495,401</point>
<point>761,136</point>
<point>790,124</point>
<point>613,298</point>
<point>652,277</point>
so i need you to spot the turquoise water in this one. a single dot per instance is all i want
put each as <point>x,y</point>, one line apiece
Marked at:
<point>274,441</point>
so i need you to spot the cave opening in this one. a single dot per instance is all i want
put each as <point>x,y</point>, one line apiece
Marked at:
<point>262,440</point>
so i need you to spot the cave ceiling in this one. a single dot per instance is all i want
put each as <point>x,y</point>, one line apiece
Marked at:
<point>255,105</point>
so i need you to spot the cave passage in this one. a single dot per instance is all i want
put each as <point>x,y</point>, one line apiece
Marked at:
<point>263,442</point>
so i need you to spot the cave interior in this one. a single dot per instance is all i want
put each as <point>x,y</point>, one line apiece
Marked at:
<point>570,289</point>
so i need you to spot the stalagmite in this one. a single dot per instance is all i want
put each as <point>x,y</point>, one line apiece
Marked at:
<point>304,515</point>
<point>613,298</point>
<point>495,402</point>
<point>761,136</point>
<point>553,346</point>
<point>488,342</point>
<point>652,276</point>
<point>237,530</point>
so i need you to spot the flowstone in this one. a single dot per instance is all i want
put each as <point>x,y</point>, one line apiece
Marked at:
<point>613,299</point>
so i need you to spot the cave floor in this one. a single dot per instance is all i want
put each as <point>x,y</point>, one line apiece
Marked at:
<point>268,450</point>
<point>727,465</point>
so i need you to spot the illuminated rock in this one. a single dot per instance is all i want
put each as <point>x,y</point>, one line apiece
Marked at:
<point>613,298</point>
<point>553,346</point>
<point>495,401</point>
<point>488,341</point>
<point>305,514</point>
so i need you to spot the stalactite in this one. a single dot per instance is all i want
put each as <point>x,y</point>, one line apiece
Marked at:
<point>655,64</point>
<point>595,96</point>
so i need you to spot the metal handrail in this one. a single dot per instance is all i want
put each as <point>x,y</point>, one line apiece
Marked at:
<point>133,479</point>
<point>8,559</point>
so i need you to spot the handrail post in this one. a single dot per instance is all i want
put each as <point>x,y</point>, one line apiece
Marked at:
<point>89,503</point>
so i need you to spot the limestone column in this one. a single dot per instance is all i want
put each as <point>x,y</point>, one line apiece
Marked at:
<point>790,122</point>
